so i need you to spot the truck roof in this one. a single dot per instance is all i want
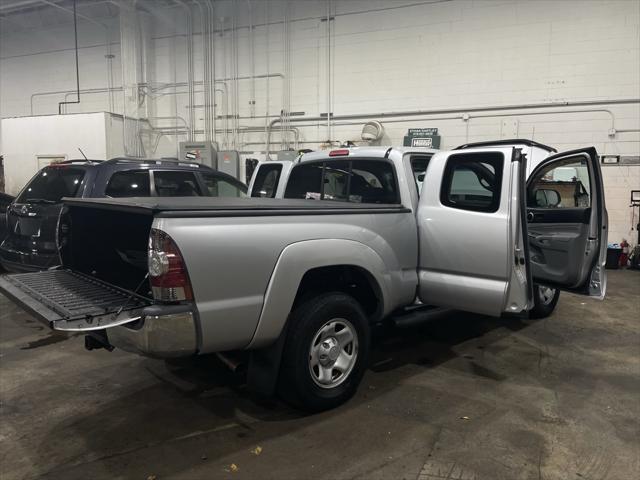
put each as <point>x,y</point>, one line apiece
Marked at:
<point>506,142</point>
<point>362,153</point>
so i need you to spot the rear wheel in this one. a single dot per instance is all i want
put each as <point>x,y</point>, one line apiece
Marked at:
<point>326,352</point>
<point>545,300</point>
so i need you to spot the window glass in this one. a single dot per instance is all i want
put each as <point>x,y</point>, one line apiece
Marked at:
<point>305,182</point>
<point>131,183</point>
<point>176,184</point>
<point>372,182</point>
<point>563,184</point>
<point>266,183</point>
<point>366,181</point>
<point>473,181</point>
<point>53,183</point>
<point>336,181</point>
<point>219,186</point>
<point>419,164</point>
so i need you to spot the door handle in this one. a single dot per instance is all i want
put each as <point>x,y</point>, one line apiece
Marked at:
<point>541,240</point>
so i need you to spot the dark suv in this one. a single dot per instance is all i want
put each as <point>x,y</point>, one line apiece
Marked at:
<point>32,218</point>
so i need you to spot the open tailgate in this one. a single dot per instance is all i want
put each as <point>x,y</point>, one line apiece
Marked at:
<point>72,301</point>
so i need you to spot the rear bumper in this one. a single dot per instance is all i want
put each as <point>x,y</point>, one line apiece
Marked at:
<point>161,333</point>
<point>73,302</point>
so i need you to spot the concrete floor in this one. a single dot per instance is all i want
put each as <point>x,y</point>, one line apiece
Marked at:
<point>460,397</point>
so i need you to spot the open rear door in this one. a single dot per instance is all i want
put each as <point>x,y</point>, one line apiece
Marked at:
<point>472,244</point>
<point>567,223</point>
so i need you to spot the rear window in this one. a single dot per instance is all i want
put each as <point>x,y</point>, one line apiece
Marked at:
<point>53,183</point>
<point>266,183</point>
<point>359,181</point>
<point>131,183</point>
<point>176,184</point>
<point>219,186</point>
<point>305,182</point>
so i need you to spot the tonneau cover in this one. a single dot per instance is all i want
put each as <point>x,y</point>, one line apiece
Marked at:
<point>229,205</point>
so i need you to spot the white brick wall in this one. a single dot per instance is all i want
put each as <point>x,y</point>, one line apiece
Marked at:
<point>389,56</point>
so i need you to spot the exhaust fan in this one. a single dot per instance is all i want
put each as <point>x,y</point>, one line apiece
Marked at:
<point>372,131</point>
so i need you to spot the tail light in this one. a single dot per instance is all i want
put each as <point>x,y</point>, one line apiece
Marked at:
<point>167,271</point>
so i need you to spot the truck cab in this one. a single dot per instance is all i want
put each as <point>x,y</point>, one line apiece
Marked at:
<point>563,190</point>
<point>270,177</point>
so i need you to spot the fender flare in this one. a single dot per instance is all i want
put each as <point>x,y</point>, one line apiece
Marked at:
<point>294,262</point>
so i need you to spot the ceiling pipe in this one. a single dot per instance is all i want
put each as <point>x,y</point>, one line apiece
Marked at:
<point>75,37</point>
<point>108,56</point>
<point>493,115</point>
<point>234,71</point>
<point>152,89</point>
<point>322,17</point>
<point>445,111</point>
<point>205,72</point>
<point>189,27</point>
<point>212,68</point>
<point>252,99</point>
<point>328,70</point>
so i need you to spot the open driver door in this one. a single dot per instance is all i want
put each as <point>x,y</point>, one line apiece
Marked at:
<point>567,223</point>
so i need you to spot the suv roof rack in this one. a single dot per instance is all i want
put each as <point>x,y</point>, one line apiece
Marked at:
<point>509,141</point>
<point>77,161</point>
<point>158,161</point>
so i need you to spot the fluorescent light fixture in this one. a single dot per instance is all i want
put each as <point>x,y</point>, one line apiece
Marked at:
<point>609,159</point>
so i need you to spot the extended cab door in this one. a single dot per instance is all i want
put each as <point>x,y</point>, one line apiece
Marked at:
<point>567,223</point>
<point>269,179</point>
<point>470,226</point>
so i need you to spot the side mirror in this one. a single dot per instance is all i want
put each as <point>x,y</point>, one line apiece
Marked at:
<point>547,198</point>
<point>582,200</point>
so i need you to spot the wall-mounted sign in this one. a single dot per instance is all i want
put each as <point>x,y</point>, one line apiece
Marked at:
<point>422,142</point>
<point>422,137</point>
<point>422,132</point>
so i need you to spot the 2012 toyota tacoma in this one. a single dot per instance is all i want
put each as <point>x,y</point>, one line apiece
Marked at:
<point>298,282</point>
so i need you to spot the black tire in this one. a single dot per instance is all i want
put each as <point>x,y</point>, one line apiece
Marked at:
<point>296,385</point>
<point>543,307</point>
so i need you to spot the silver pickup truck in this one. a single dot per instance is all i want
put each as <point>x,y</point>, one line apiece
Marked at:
<point>363,234</point>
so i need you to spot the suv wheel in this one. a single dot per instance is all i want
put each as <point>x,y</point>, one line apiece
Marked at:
<point>326,352</point>
<point>545,300</point>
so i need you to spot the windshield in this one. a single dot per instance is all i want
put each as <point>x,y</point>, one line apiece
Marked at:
<point>51,184</point>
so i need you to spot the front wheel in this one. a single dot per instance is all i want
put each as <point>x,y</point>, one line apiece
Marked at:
<point>545,300</point>
<point>326,352</point>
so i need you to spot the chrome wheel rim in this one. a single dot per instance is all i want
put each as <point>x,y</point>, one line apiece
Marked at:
<point>333,353</point>
<point>546,294</point>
